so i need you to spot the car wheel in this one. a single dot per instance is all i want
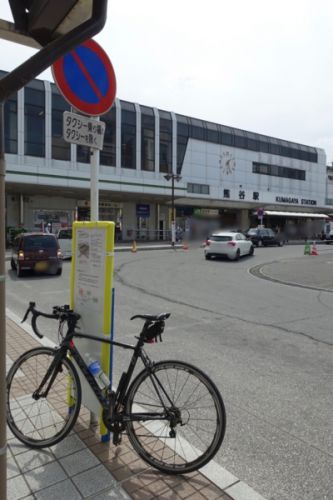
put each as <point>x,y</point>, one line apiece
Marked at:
<point>12,264</point>
<point>59,272</point>
<point>251,251</point>
<point>280,244</point>
<point>237,256</point>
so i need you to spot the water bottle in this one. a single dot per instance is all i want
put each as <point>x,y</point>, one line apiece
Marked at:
<point>96,371</point>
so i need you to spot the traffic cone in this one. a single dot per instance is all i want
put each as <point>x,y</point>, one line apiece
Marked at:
<point>307,250</point>
<point>314,249</point>
<point>133,249</point>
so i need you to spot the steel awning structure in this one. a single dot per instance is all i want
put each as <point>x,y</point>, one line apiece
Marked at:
<point>296,215</point>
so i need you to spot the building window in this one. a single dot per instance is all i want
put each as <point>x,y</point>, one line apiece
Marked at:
<point>128,135</point>
<point>165,142</point>
<point>61,149</point>
<point>226,193</point>
<point>108,153</point>
<point>278,171</point>
<point>183,133</point>
<point>10,117</point>
<point>34,119</point>
<point>197,188</point>
<point>330,174</point>
<point>147,139</point>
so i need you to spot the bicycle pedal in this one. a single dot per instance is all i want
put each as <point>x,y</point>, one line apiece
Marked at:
<point>116,439</point>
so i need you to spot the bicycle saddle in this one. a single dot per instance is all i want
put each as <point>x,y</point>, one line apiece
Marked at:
<point>152,317</point>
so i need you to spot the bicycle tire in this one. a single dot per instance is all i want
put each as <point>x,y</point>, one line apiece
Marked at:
<point>146,438</point>
<point>46,421</point>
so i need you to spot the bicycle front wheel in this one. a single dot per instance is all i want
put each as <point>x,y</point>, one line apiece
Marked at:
<point>177,417</point>
<point>42,418</point>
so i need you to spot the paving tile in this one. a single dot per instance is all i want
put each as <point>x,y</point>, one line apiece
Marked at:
<point>34,458</point>
<point>64,489</point>
<point>45,476</point>
<point>94,481</point>
<point>69,445</point>
<point>16,446</point>
<point>17,488</point>
<point>12,468</point>
<point>79,462</point>
<point>167,495</point>
<point>113,493</point>
<point>184,489</point>
<point>211,492</point>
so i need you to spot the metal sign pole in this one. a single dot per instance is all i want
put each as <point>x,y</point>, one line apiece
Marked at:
<point>94,212</point>
<point>94,177</point>
<point>3,440</point>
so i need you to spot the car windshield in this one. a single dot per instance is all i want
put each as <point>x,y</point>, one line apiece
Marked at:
<point>65,234</point>
<point>252,231</point>
<point>215,237</point>
<point>39,241</point>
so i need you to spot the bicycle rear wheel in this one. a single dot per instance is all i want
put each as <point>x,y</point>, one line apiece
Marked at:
<point>184,432</point>
<point>42,421</point>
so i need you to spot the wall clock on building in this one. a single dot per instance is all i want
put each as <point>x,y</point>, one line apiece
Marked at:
<point>227,162</point>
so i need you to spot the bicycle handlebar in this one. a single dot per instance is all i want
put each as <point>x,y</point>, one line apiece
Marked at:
<point>62,313</point>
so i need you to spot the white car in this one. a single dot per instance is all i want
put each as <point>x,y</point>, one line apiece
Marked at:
<point>65,242</point>
<point>229,244</point>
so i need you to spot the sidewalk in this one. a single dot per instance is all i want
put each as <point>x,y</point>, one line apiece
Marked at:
<point>83,467</point>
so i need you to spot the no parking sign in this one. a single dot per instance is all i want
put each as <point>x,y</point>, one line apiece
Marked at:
<point>86,78</point>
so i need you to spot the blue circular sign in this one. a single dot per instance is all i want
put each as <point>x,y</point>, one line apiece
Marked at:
<point>86,78</point>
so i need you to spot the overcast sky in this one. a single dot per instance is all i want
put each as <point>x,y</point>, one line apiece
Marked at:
<point>258,65</point>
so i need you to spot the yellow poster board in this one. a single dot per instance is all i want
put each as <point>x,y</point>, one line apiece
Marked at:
<point>91,296</point>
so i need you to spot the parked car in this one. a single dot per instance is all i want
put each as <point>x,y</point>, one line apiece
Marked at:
<point>65,242</point>
<point>36,252</point>
<point>264,237</point>
<point>230,244</point>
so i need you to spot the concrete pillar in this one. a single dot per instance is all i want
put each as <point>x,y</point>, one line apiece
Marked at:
<point>243,219</point>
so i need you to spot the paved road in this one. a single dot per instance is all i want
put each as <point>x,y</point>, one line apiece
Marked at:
<point>268,347</point>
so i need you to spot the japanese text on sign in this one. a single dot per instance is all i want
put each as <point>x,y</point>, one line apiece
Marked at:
<point>78,129</point>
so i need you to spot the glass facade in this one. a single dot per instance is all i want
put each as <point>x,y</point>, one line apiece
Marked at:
<point>61,149</point>
<point>83,154</point>
<point>191,128</point>
<point>147,139</point>
<point>108,153</point>
<point>128,135</point>
<point>278,171</point>
<point>34,119</point>
<point>165,142</point>
<point>183,134</point>
<point>10,117</point>
<point>197,188</point>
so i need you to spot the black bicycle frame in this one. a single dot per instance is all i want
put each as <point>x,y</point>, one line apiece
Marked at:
<point>103,398</point>
<point>125,379</point>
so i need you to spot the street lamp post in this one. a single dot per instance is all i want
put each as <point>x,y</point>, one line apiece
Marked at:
<point>173,178</point>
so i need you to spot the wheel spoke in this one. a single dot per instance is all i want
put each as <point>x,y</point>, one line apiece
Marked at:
<point>183,442</point>
<point>41,422</point>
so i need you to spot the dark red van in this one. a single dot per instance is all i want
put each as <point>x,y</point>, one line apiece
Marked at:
<point>36,252</point>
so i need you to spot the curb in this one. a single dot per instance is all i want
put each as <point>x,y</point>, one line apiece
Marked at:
<point>218,475</point>
<point>129,249</point>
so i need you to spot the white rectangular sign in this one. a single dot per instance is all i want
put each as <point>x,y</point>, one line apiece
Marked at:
<point>82,130</point>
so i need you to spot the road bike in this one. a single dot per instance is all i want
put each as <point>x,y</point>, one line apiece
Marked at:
<point>171,411</point>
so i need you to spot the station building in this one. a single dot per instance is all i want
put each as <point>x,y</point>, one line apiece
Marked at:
<point>224,174</point>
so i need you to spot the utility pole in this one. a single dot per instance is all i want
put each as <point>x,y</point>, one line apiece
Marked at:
<point>3,441</point>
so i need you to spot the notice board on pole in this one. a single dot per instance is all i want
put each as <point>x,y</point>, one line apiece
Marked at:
<point>91,295</point>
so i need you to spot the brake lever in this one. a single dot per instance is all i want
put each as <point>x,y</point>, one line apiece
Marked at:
<point>30,308</point>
